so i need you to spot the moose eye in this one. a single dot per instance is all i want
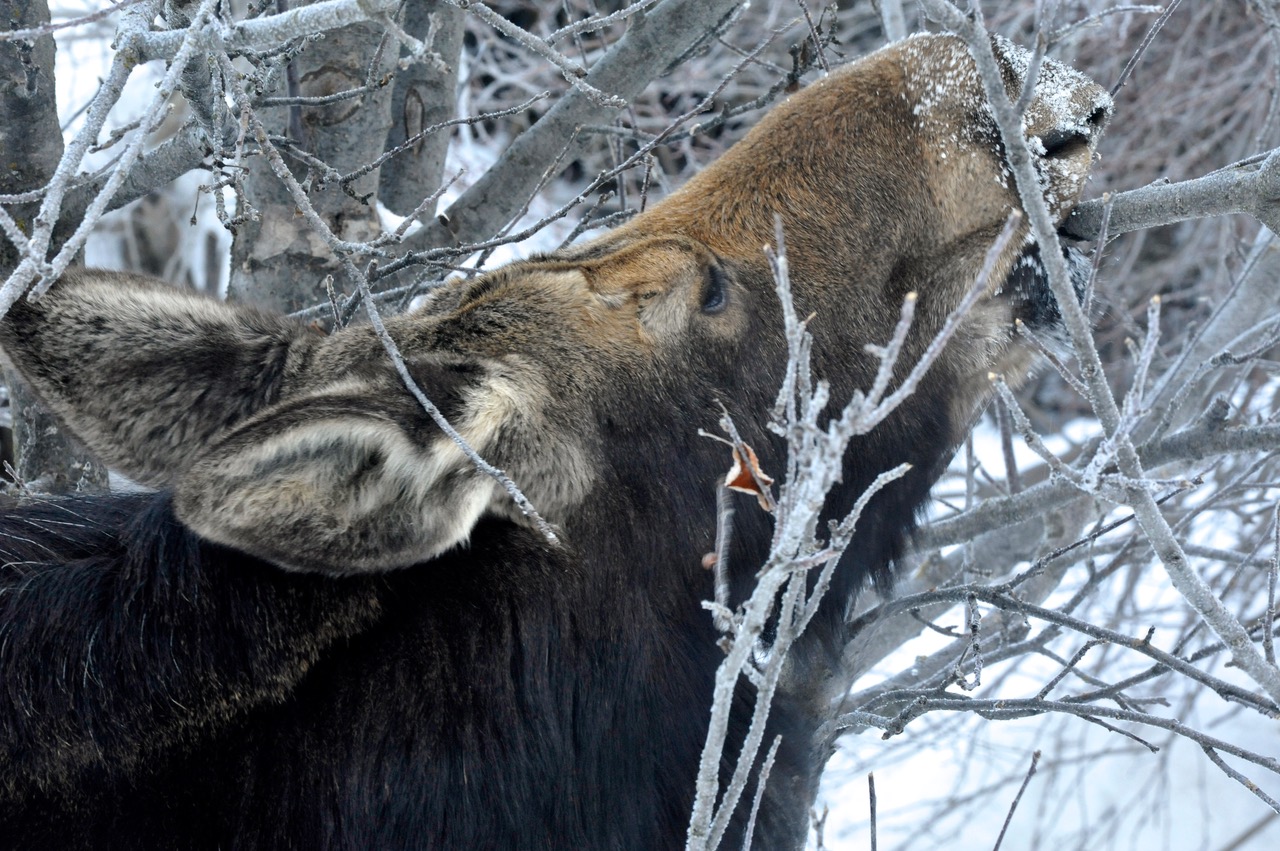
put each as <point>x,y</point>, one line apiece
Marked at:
<point>715,290</point>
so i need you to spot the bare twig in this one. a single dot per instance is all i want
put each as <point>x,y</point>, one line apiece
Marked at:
<point>818,47</point>
<point>1142,48</point>
<point>1268,617</point>
<point>1031,772</point>
<point>32,33</point>
<point>649,46</point>
<point>871,794</point>
<point>883,408</point>
<point>573,72</point>
<point>1240,778</point>
<point>599,22</point>
<point>761,780</point>
<point>1071,29</point>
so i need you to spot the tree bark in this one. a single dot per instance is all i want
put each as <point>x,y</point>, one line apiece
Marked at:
<point>424,95</point>
<point>278,261</point>
<point>32,141</point>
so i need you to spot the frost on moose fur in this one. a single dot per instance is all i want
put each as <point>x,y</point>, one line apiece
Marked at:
<point>329,630</point>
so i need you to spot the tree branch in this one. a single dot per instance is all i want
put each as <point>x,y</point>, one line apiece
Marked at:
<point>653,43</point>
<point>1252,188</point>
<point>271,31</point>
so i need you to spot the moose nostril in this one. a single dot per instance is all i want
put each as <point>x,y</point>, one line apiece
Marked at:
<point>1063,143</point>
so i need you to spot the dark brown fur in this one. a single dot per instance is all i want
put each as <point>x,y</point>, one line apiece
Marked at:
<point>498,692</point>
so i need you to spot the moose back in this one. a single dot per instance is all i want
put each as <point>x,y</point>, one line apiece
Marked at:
<point>327,629</point>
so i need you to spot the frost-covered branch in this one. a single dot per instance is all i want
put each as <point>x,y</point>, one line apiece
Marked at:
<point>573,72</point>
<point>33,33</point>
<point>270,31</point>
<point>783,589</point>
<point>1251,187</point>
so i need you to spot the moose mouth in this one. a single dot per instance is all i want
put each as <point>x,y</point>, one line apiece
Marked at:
<point>1028,285</point>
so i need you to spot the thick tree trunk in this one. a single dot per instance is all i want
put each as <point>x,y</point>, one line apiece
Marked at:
<point>278,261</point>
<point>32,141</point>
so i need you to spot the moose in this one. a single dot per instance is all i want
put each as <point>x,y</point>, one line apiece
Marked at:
<point>326,628</point>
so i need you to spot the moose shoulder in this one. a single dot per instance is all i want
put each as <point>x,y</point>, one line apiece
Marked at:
<point>329,630</point>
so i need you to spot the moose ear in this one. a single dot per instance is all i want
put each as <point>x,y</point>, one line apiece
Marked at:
<point>349,478</point>
<point>146,375</point>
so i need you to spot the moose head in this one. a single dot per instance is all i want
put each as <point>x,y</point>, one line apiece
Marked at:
<point>487,663</point>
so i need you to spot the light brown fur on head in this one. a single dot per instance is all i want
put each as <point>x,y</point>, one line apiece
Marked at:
<point>888,179</point>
